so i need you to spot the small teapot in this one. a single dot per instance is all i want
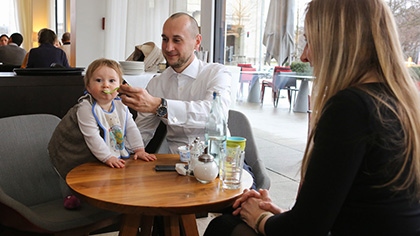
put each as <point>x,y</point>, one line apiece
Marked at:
<point>206,170</point>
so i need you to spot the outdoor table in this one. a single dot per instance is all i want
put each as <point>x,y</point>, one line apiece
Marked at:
<point>254,86</point>
<point>301,103</point>
<point>140,193</point>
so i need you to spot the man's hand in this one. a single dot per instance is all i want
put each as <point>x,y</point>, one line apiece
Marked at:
<point>138,99</point>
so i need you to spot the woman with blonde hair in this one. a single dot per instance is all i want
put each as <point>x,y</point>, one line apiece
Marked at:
<point>360,173</point>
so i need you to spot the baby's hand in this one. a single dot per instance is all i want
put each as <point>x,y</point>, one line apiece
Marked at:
<point>115,162</point>
<point>142,154</point>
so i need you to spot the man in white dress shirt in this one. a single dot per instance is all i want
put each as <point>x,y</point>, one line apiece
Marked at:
<point>181,96</point>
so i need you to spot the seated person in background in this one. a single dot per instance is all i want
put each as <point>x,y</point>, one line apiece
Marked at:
<point>4,40</point>
<point>100,125</point>
<point>46,54</point>
<point>13,54</point>
<point>65,39</point>
<point>360,173</point>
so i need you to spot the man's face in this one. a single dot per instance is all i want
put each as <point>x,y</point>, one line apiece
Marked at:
<point>178,43</point>
<point>4,40</point>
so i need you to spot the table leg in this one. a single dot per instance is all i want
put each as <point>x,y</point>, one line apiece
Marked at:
<point>301,104</point>
<point>146,225</point>
<point>171,224</point>
<point>130,225</point>
<point>190,225</point>
<point>254,94</point>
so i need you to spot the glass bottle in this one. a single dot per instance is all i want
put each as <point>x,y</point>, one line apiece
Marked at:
<point>215,130</point>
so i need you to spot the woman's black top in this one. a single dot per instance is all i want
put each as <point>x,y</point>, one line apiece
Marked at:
<point>354,152</point>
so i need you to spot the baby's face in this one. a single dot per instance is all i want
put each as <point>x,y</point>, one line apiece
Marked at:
<point>104,79</point>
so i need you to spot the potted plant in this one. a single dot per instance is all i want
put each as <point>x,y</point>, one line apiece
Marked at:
<point>300,67</point>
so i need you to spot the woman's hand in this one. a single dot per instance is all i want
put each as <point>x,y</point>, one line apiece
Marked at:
<point>247,194</point>
<point>142,154</point>
<point>115,162</point>
<point>251,211</point>
<point>268,205</point>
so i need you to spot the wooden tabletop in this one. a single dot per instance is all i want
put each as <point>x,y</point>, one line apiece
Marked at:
<point>139,189</point>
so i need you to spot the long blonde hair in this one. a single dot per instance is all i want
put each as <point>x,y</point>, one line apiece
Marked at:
<point>352,41</point>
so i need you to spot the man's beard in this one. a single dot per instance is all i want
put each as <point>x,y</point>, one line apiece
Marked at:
<point>180,62</point>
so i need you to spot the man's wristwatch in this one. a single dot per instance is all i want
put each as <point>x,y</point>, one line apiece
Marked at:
<point>162,109</point>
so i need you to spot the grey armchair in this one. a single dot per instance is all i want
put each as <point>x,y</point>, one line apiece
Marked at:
<point>239,126</point>
<point>31,191</point>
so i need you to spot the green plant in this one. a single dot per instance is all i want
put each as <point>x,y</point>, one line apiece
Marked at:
<point>300,67</point>
<point>415,72</point>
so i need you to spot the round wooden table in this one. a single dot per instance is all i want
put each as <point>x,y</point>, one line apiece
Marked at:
<point>140,193</point>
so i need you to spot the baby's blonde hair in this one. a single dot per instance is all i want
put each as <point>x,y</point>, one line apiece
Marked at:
<point>99,63</point>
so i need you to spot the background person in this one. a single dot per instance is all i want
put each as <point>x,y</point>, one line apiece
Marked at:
<point>13,54</point>
<point>46,54</point>
<point>65,39</point>
<point>4,39</point>
<point>361,169</point>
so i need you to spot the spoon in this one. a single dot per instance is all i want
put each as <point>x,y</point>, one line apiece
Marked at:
<point>112,90</point>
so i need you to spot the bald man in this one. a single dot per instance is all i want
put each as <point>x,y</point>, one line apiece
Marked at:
<point>181,96</point>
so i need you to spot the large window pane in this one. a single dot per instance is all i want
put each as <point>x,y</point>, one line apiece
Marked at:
<point>8,24</point>
<point>243,31</point>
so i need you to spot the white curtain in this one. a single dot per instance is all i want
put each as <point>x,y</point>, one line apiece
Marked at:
<point>133,22</point>
<point>115,29</point>
<point>145,20</point>
<point>24,17</point>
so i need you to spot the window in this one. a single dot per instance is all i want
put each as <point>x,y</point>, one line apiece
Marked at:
<point>60,16</point>
<point>245,25</point>
<point>8,24</point>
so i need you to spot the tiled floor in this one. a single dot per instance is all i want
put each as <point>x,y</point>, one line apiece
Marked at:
<point>281,136</point>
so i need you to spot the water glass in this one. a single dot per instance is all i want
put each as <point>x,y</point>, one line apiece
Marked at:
<point>231,166</point>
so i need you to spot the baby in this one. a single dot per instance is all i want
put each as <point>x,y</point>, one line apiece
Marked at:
<point>100,125</point>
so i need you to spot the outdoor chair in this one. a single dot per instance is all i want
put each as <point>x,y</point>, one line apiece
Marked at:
<point>31,191</point>
<point>278,83</point>
<point>245,78</point>
<point>239,125</point>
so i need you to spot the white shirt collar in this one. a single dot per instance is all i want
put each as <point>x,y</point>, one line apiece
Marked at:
<point>191,70</point>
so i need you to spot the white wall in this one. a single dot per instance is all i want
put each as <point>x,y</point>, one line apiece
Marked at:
<point>91,40</point>
<point>207,27</point>
<point>89,34</point>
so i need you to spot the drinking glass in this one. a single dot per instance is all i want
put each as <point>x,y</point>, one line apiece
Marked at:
<point>231,167</point>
